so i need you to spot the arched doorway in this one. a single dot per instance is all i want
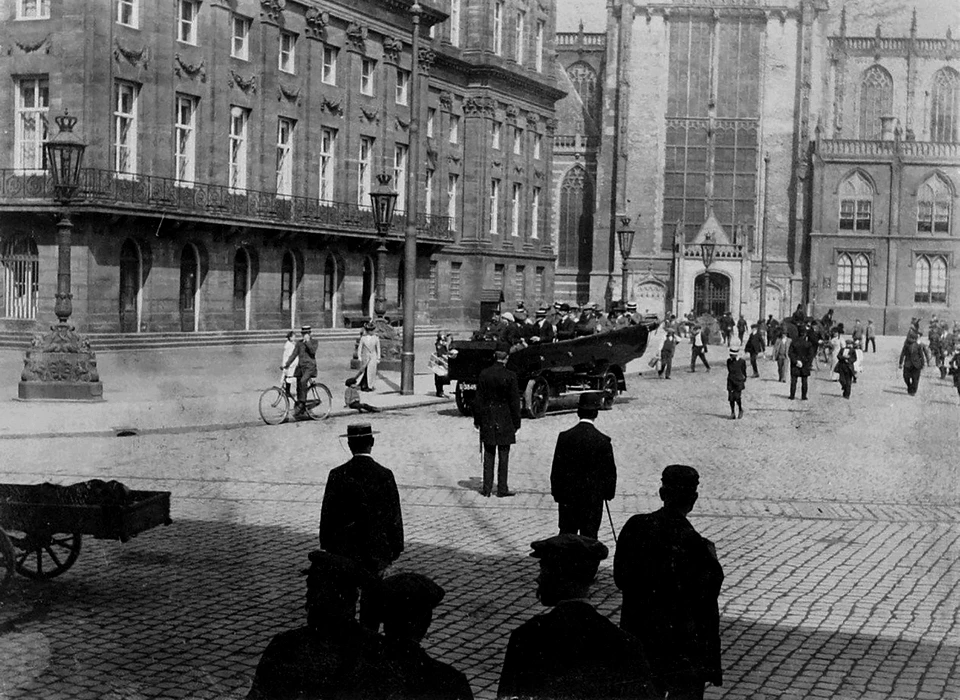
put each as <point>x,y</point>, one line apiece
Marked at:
<point>332,282</point>
<point>288,287</point>
<point>21,278</point>
<point>711,294</point>
<point>242,285</point>
<point>189,289</point>
<point>366,297</point>
<point>131,283</point>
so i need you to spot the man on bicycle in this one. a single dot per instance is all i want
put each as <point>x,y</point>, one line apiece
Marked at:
<point>305,355</point>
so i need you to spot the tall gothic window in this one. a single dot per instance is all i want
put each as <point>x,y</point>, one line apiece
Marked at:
<point>876,100</point>
<point>930,280</point>
<point>584,79</point>
<point>933,206</point>
<point>576,218</point>
<point>853,277</point>
<point>945,105</point>
<point>856,204</point>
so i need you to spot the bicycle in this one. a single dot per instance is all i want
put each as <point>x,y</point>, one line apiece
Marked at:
<point>276,402</point>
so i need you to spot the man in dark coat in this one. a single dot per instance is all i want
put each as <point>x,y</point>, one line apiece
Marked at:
<point>316,661</point>
<point>542,328</point>
<point>584,473</point>
<point>305,353</point>
<point>667,351</point>
<point>496,415</point>
<point>360,516</point>
<point>912,361</point>
<point>754,347</point>
<point>741,328</point>
<point>572,652</point>
<point>846,373</point>
<point>567,326</point>
<point>670,579</point>
<point>736,381</point>
<point>801,354</point>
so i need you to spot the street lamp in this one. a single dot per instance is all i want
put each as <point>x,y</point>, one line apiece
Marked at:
<point>707,250</point>
<point>60,365</point>
<point>625,236</point>
<point>763,242</point>
<point>383,199</point>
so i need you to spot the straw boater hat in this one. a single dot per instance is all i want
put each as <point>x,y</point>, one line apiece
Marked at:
<point>734,349</point>
<point>631,306</point>
<point>542,311</point>
<point>305,329</point>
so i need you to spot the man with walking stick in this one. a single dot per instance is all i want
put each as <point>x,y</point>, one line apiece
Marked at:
<point>584,472</point>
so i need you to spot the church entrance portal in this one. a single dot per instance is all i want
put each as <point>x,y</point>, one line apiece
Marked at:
<point>711,294</point>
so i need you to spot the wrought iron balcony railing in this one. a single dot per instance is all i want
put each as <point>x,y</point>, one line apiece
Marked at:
<point>149,193</point>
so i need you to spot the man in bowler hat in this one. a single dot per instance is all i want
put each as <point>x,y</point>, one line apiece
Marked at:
<point>584,473</point>
<point>572,651</point>
<point>360,516</point>
<point>497,416</point>
<point>670,579</point>
<point>801,353</point>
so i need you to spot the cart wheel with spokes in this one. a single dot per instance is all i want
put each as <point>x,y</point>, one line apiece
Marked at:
<point>610,387</point>
<point>44,555</point>
<point>8,561</point>
<point>536,397</point>
<point>319,401</point>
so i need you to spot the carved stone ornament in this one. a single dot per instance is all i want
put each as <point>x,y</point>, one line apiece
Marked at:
<point>432,158</point>
<point>334,107</point>
<point>272,10</point>
<point>446,100</point>
<point>60,356</point>
<point>496,163</point>
<point>453,158</point>
<point>427,58</point>
<point>30,48</point>
<point>371,115</point>
<point>181,67</point>
<point>357,36</point>
<point>518,169</point>
<point>134,58</point>
<point>317,22</point>
<point>551,125</point>
<point>538,174</point>
<point>284,92</point>
<point>532,120</point>
<point>245,84</point>
<point>402,125</point>
<point>392,48</point>
<point>512,112</point>
<point>478,106</point>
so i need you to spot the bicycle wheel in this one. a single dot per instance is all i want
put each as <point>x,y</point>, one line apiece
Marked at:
<point>274,405</point>
<point>319,402</point>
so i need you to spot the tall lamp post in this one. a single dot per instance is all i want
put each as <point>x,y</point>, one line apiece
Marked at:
<point>763,241</point>
<point>625,236</point>
<point>60,364</point>
<point>707,250</point>
<point>384,200</point>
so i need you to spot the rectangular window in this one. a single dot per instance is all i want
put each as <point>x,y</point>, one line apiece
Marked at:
<point>30,133</point>
<point>455,281</point>
<point>428,193</point>
<point>520,283</point>
<point>125,128</point>
<point>535,213</point>
<point>240,44</point>
<point>33,9</point>
<point>329,73</point>
<point>454,129</point>
<point>855,214</point>
<point>455,22</point>
<point>328,149</point>
<point>285,156</point>
<point>498,276</point>
<point>541,283</point>
<point>453,184</point>
<point>517,141</point>
<point>434,282</point>
<point>494,206</point>
<point>431,120</point>
<point>518,46</point>
<point>187,11</point>
<point>363,171</point>
<point>403,86</point>
<point>237,178</point>
<point>515,199</point>
<point>495,130</point>
<point>498,27</point>
<point>128,13</point>
<point>185,140</point>
<point>537,145</point>
<point>367,68</point>
<point>400,157</point>
<point>538,55</point>
<point>287,61</point>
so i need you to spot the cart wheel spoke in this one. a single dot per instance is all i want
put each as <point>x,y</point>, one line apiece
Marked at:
<point>22,558</point>
<point>53,555</point>
<point>39,562</point>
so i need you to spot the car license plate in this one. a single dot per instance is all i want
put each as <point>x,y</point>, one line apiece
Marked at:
<point>466,386</point>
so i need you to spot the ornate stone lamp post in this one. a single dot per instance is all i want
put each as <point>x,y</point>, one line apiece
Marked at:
<point>60,364</point>
<point>383,199</point>
<point>625,236</point>
<point>707,250</point>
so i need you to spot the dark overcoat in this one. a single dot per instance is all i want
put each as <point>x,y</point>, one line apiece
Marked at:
<point>584,471</point>
<point>406,672</point>
<point>497,406</point>
<point>736,374</point>
<point>803,351</point>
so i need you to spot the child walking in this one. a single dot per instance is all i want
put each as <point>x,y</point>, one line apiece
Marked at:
<point>736,381</point>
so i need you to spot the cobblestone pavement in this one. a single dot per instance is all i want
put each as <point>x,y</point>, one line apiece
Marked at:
<point>836,523</point>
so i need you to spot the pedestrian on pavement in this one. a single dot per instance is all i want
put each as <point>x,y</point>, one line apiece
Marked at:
<point>741,328</point>
<point>351,398</point>
<point>369,354</point>
<point>360,516</point>
<point>496,415</point>
<point>288,364</point>
<point>698,348</point>
<point>441,349</point>
<point>317,660</point>
<point>781,353</point>
<point>584,473</point>
<point>870,334</point>
<point>845,367</point>
<point>666,354</point>
<point>572,652</point>
<point>305,357</point>
<point>954,370</point>
<point>912,361</point>
<point>736,381</point>
<point>670,578</point>
<point>801,354</point>
<point>755,346</point>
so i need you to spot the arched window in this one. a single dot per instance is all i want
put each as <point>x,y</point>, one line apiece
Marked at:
<point>131,273</point>
<point>241,278</point>
<point>856,204</point>
<point>576,218</point>
<point>876,100</point>
<point>332,281</point>
<point>945,105</point>
<point>853,277</point>
<point>21,278</point>
<point>930,280</point>
<point>584,79</point>
<point>933,206</point>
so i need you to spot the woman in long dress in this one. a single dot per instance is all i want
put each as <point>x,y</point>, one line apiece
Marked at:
<point>369,353</point>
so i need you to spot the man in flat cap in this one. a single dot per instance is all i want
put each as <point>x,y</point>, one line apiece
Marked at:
<point>406,671</point>
<point>316,661</point>
<point>305,356</point>
<point>670,579</point>
<point>584,472</point>
<point>496,415</point>
<point>360,517</point>
<point>572,651</point>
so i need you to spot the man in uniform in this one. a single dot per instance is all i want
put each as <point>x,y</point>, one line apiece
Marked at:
<point>572,651</point>
<point>801,353</point>
<point>360,516</point>
<point>305,355</point>
<point>670,579</point>
<point>584,472</point>
<point>496,415</point>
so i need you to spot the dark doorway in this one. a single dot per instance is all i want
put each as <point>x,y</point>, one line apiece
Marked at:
<point>711,294</point>
<point>241,290</point>
<point>131,271</point>
<point>189,288</point>
<point>366,298</point>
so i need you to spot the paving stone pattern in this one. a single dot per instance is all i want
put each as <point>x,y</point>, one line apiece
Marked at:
<point>836,523</point>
